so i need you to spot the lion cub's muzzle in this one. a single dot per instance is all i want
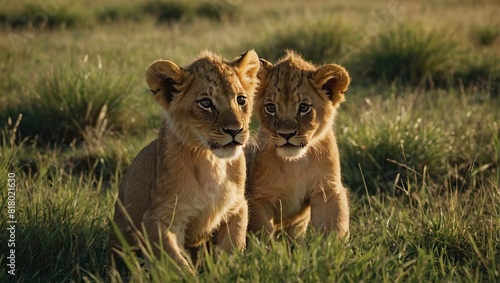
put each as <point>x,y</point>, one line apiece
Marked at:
<point>235,135</point>
<point>232,136</point>
<point>290,145</point>
<point>289,140</point>
<point>232,130</point>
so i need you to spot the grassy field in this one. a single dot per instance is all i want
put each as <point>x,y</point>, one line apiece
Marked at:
<point>418,134</point>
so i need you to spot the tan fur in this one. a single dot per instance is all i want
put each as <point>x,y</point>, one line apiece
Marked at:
<point>292,184</point>
<point>187,186</point>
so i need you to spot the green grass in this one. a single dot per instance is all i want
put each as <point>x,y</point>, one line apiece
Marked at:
<point>408,54</point>
<point>78,101</point>
<point>317,41</point>
<point>388,148</point>
<point>482,74</point>
<point>384,140</point>
<point>166,11</point>
<point>485,35</point>
<point>430,232</point>
<point>418,134</point>
<point>224,10</point>
<point>39,17</point>
<point>58,216</point>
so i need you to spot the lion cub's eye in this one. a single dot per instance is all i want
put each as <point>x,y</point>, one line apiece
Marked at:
<point>270,109</point>
<point>241,100</point>
<point>304,108</point>
<point>205,104</point>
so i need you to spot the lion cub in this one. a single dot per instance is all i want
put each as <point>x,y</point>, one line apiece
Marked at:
<point>187,186</point>
<point>294,176</point>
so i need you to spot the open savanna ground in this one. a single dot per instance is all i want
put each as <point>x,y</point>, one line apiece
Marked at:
<point>418,133</point>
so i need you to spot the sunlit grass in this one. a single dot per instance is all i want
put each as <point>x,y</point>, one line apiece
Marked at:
<point>384,137</point>
<point>77,101</point>
<point>407,54</point>
<point>424,225</point>
<point>320,41</point>
<point>62,15</point>
<point>429,232</point>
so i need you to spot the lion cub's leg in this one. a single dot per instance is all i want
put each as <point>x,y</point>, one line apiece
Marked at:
<point>126,227</point>
<point>330,210</point>
<point>261,214</point>
<point>172,239</point>
<point>297,226</point>
<point>232,234</point>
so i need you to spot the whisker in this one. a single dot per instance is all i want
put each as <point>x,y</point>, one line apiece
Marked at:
<point>319,149</point>
<point>267,143</point>
<point>253,144</point>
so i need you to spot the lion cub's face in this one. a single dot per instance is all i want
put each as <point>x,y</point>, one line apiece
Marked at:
<point>208,104</point>
<point>296,103</point>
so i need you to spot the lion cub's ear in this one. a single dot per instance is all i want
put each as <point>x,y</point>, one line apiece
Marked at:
<point>163,78</point>
<point>247,66</point>
<point>332,80</point>
<point>265,66</point>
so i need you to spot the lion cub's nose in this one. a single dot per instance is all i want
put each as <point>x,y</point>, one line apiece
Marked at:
<point>287,136</point>
<point>232,132</point>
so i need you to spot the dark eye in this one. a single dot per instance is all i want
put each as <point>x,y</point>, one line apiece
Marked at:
<point>241,100</point>
<point>205,104</point>
<point>304,108</point>
<point>270,109</point>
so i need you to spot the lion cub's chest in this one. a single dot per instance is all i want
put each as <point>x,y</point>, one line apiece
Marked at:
<point>216,196</point>
<point>293,190</point>
<point>289,187</point>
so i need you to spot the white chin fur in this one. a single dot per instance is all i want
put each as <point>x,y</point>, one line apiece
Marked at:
<point>228,153</point>
<point>291,153</point>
